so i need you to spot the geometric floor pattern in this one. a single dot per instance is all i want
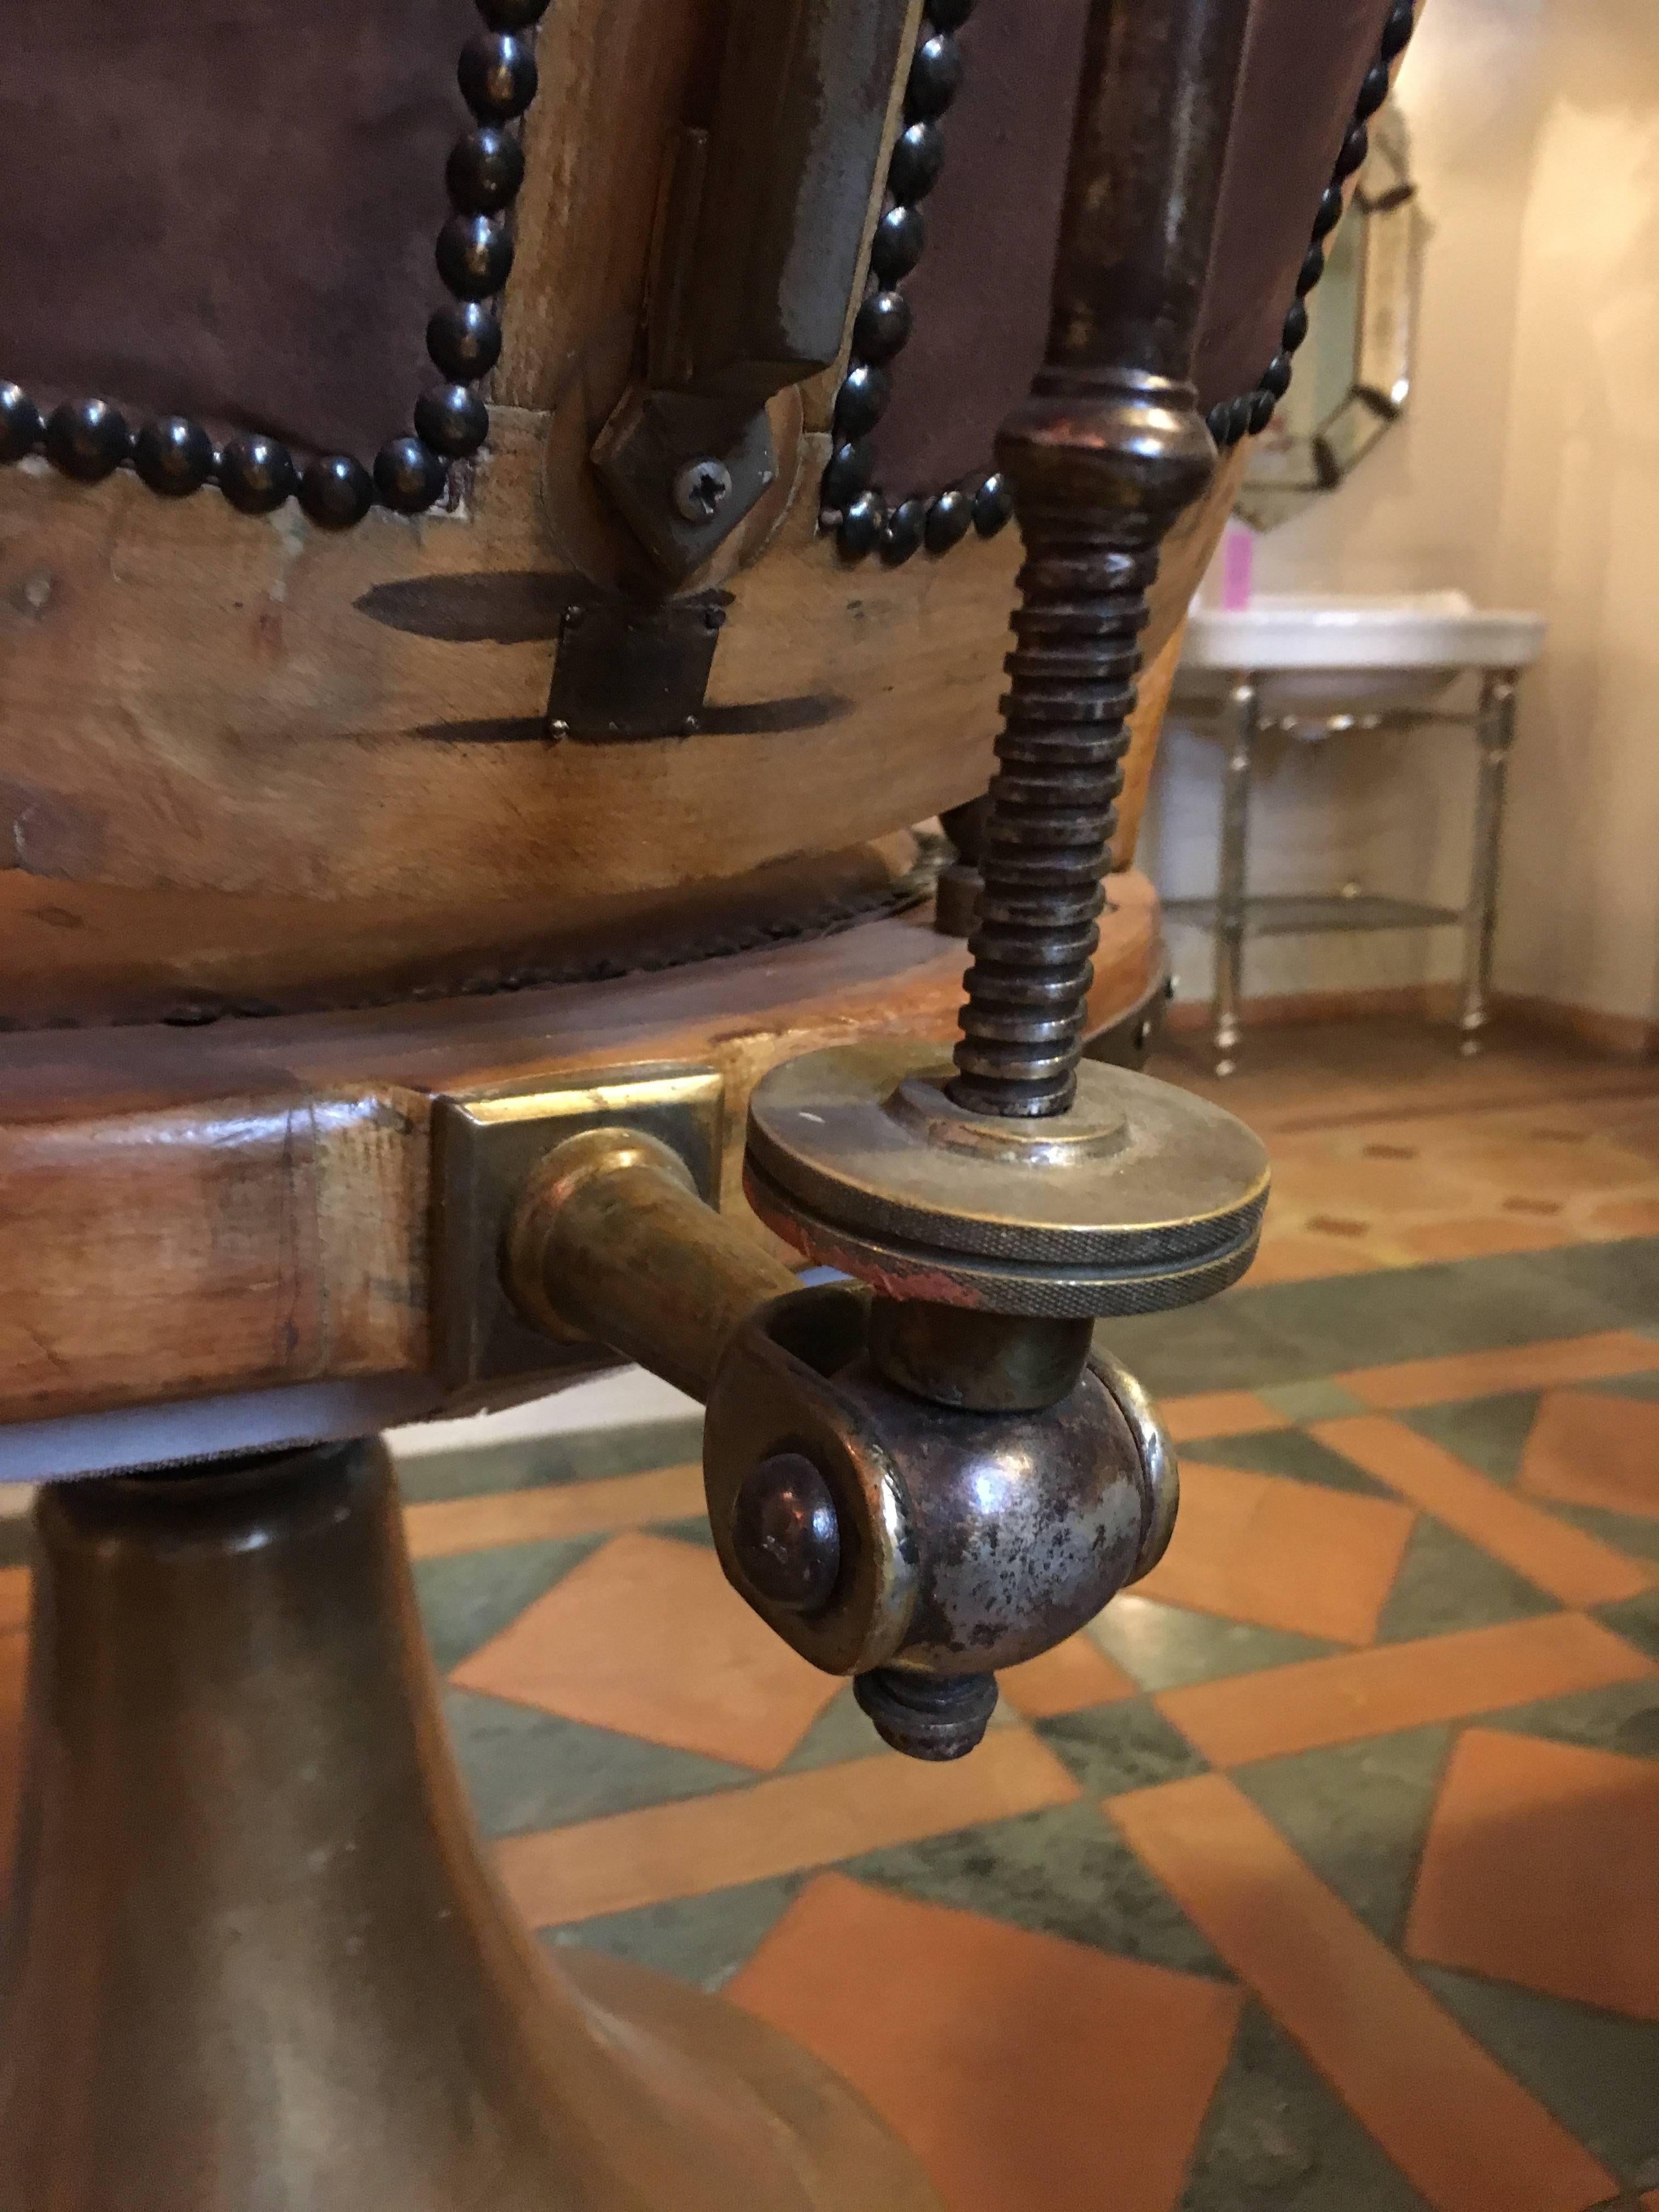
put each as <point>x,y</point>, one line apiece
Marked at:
<point>1389,1151</point>
<point>1322,1874</point>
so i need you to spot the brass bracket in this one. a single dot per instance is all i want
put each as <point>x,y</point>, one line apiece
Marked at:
<point>486,1144</point>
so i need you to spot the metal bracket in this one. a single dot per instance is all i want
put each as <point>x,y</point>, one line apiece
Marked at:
<point>760,226</point>
<point>623,671</point>
<point>685,471</point>
<point>485,1145</point>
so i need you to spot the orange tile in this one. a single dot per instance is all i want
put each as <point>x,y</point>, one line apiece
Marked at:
<point>1458,2126</point>
<point>576,1508</point>
<point>1651,2201</point>
<point>1300,1259</point>
<point>1542,1868</point>
<point>1474,1236</point>
<point>1399,1686</point>
<point>1550,1168</point>
<point>1591,1451</point>
<point>1074,1674</point>
<point>1344,1187</point>
<point>14,1598</point>
<point>1284,1554</point>
<point>1027,2074</point>
<point>1630,1217</point>
<point>1217,1413</point>
<point>1514,1367</point>
<point>647,1637</point>
<point>1577,1568</point>
<point>774,1828</point>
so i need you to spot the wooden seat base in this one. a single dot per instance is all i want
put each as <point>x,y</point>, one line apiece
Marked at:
<point>210,1217</point>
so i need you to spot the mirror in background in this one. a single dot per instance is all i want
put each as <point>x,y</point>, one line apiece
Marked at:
<point>1354,374</point>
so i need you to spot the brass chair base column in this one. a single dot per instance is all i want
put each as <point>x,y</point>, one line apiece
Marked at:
<point>256,1962</point>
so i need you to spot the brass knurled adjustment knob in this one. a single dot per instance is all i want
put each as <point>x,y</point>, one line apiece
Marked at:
<point>994,1480</point>
<point>1140,1198</point>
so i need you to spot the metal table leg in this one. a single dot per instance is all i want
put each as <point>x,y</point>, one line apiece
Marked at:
<point>1495,735</point>
<point>1244,714</point>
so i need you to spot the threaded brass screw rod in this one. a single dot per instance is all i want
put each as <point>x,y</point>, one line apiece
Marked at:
<point>1106,452</point>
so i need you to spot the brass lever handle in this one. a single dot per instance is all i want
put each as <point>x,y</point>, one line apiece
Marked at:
<point>610,1239</point>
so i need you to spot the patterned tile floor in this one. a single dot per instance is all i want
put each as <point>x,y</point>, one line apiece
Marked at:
<point>1390,1150</point>
<point>1322,1874</point>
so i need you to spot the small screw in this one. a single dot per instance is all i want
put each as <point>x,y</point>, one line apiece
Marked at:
<point>702,489</point>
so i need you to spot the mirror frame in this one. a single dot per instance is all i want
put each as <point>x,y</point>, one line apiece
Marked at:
<point>1384,232</point>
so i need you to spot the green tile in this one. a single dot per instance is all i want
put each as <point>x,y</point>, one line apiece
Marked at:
<point>1223,1344</point>
<point>1288,1452</point>
<point>1627,1386</point>
<point>693,1529</point>
<point>1165,1646</point>
<point>704,1940</point>
<point>1313,1402</point>
<point>469,1596</point>
<point>1637,1534</point>
<point>524,1769</point>
<point>1489,1434</point>
<point>1064,1872</point>
<point>1637,1618</point>
<point>1598,2072</point>
<point>1306,1331</point>
<point>532,1463</point>
<point>1125,1745</point>
<point>1357,1814</point>
<point>1445,1582</point>
<point>1624,1717</point>
<point>842,1732</point>
<point>1277,2140</point>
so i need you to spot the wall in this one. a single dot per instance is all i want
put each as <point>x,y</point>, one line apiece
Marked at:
<point>1526,473</point>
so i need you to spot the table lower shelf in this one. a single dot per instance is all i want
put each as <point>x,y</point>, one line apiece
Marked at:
<point>1298,914</point>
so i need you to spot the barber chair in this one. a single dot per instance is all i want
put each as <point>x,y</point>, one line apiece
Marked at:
<point>463,720</point>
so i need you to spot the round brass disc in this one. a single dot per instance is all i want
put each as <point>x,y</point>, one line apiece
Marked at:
<point>1142,1197</point>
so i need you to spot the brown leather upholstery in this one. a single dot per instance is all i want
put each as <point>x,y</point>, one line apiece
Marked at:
<point>228,211</point>
<point>1302,71</point>
<point>980,292</point>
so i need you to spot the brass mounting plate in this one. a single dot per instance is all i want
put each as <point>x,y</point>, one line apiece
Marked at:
<point>485,1144</point>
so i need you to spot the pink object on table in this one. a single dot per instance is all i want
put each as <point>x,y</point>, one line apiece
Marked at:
<point>1237,568</point>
